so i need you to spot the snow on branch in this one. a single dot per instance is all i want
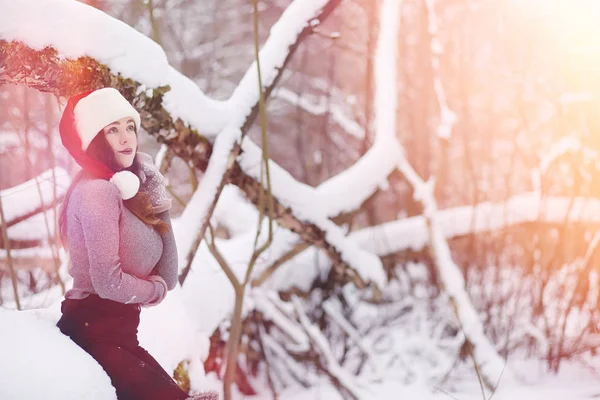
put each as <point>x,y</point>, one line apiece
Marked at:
<point>355,185</point>
<point>447,116</point>
<point>352,333</point>
<point>300,374</point>
<point>342,193</point>
<point>49,71</point>
<point>309,221</point>
<point>70,31</point>
<point>484,355</point>
<point>73,29</point>
<point>23,201</point>
<point>311,225</point>
<point>350,126</point>
<point>290,328</point>
<point>343,379</point>
<point>411,233</point>
<point>359,182</point>
<point>295,24</point>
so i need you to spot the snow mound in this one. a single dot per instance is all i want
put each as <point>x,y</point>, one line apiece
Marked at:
<point>39,362</point>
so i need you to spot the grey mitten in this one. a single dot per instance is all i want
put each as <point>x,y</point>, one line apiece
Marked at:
<point>211,395</point>
<point>152,183</point>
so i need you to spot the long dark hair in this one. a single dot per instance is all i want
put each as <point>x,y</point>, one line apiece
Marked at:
<point>139,205</point>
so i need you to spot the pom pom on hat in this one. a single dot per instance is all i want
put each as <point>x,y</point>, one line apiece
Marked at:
<point>127,183</point>
<point>83,118</point>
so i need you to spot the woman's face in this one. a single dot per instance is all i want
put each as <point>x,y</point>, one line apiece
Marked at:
<point>122,139</point>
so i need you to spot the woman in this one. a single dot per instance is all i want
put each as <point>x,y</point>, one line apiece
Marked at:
<point>115,223</point>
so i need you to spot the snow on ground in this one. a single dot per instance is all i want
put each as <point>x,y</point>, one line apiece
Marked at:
<point>574,383</point>
<point>38,361</point>
<point>576,380</point>
<point>33,350</point>
<point>170,336</point>
<point>38,368</point>
<point>552,388</point>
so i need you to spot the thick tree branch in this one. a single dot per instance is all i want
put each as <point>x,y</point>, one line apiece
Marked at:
<point>307,231</point>
<point>47,72</point>
<point>234,173</point>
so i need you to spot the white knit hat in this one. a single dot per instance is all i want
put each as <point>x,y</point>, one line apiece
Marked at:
<point>98,109</point>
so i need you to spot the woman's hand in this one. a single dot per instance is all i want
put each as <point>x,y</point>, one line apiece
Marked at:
<point>161,291</point>
<point>152,183</point>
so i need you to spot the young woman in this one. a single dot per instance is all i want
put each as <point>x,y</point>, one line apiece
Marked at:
<point>115,223</point>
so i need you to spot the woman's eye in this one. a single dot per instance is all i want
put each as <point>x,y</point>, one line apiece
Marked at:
<point>131,128</point>
<point>112,130</point>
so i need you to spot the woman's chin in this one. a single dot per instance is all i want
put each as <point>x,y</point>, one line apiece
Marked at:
<point>125,162</point>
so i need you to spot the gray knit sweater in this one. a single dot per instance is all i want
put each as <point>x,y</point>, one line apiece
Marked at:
<point>113,253</point>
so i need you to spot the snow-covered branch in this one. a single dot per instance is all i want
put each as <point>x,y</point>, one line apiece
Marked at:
<point>286,325</point>
<point>23,201</point>
<point>411,233</point>
<point>352,333</point>
<point>485,356</point>
<point>125,51</point>
<point>406,234</point>
<point>447,116</point>
<point>343,379</point>
<point>350,126</point>
<point>300,374</point>
<point>310,224</point>
<point>308,220</point>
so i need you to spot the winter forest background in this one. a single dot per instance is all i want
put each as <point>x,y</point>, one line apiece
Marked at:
<point>427,226</point>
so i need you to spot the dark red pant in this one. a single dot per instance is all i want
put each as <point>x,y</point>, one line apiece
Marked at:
<point>107,330</point>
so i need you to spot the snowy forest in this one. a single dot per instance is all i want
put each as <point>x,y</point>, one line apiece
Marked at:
<point>372,199</point>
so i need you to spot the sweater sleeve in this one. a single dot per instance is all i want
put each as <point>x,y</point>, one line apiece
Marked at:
<point>99,214</point>
<point>167,266</point>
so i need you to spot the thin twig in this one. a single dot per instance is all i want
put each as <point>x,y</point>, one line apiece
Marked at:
<point>9,261</point>
<point>299,248</point>
<point>236,320</point>
<point>221,260</point>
